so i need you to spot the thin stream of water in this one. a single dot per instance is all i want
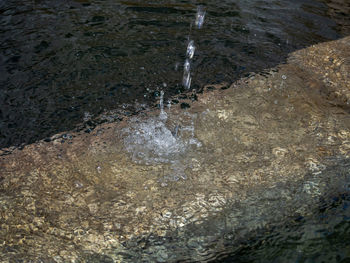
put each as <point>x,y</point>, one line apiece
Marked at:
<point>153,141</point>
<point>191,48</point>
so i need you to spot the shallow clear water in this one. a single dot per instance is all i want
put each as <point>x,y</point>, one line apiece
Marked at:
<point>61,61</point>
<point>323,236</point>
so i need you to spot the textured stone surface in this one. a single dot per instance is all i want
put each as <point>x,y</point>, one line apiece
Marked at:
<point>267,152</point>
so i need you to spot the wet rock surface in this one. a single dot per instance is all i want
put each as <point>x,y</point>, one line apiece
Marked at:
<point>269,148</point>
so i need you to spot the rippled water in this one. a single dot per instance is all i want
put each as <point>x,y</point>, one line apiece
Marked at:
<point>63,60</point>
<point>323,236</point>
<point>65,63</point>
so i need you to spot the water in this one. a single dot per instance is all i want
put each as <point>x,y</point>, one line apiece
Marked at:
<point>90,65</point>
<point>152,141</point>
<point>269,181</point>
<point>61,60</point>
<point>323,236</point>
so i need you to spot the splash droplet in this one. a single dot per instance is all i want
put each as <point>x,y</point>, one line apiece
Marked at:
<point>200,17</point>
<point>190,49</point>
<point>187,66</point>
<point>187,80</point>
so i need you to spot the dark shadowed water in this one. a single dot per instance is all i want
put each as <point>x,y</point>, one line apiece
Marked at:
<point>63,63</point>
<point>323,237</point>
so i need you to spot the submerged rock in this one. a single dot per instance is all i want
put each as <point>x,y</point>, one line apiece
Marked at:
<point>253,156</point>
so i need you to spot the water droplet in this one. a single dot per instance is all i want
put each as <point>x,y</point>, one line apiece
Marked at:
<point>284,77</point>
<point>190,49</point>
<point>169,104</point>
<point>200,17</point>
<point>187,66</point>
<point>187,80</point>
<point>162,115</point>
<point>98,168</point>
<point>161,100</point>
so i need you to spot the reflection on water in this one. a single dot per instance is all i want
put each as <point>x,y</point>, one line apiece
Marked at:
<point>60,60</point>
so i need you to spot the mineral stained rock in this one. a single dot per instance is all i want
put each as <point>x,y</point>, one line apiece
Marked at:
<point>180,187</point>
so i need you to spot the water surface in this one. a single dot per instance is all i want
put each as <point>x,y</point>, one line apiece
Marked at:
<point>64,63</point>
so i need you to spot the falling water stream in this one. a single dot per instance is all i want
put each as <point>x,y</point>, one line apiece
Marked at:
<point>191,48</point>
<point>154,140</point>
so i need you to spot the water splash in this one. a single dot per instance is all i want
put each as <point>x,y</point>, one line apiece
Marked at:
<point>158,140</point>
<point>152,142</point>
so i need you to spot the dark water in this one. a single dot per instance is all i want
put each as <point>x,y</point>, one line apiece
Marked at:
<point>63,63</point>
<point>323,237</point>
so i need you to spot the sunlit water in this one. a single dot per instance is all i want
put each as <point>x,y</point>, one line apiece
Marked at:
<point>61,60</point>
